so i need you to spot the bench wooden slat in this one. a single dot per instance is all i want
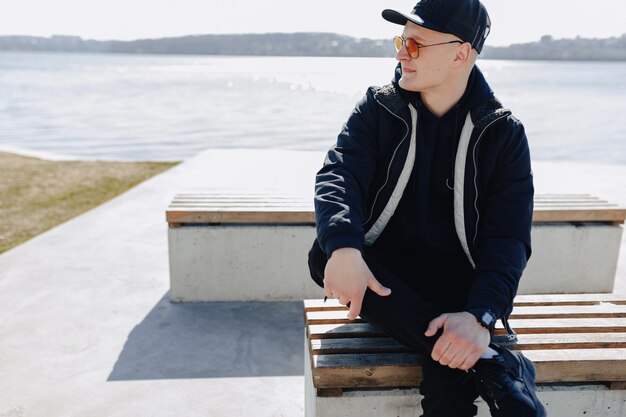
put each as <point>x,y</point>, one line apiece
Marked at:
<point>321,305</point>
<point>252,197</point>
<point>288,201</point>
<point>204,193</point>
<point>520,300</point>
<point>229,205</point>
<point>404,369</point>
<point>531,312</point>
<point>579,215</point>
<point>574,205</point>
<point>568,201</point>
<point>238,206</point>
<point>326,331</point>
<point>197,210</point>
<point>329,317</point>
<point>357,345</point>
<point>209,195</point>
<point>244,201</point>
<point>579,365</point>
<point>367,371</point>
<point>531,326</point>
<point>600,311</point>
<point>570,341</point>
<point>264,195</point>
<point>293,215</point>
<point>525,342</point>
<point>233,205</point>
<point>594,325</point>
<point>309,203</point>
<point>198,207</point>
<point>256,216</point>
<point>568,299</point>
<point>563,196</point>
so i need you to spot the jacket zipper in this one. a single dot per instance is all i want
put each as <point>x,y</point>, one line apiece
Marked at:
<point>390,162</point>
<point>476,176</point>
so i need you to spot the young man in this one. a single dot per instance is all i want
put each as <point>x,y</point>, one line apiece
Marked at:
<point>423,211</point>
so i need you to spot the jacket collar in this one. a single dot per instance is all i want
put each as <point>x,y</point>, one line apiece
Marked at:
<point>390,97</point>
<point>483,104</point>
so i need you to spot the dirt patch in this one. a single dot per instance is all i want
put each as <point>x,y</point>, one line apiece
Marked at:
<point>36,195</point>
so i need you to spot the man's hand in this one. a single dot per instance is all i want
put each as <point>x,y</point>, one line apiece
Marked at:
<point>462,342</point>
<point>347,277</point>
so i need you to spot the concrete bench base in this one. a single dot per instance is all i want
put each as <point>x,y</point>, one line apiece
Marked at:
<point>570,400</point>
<point>574,401</point>
<point>269,262</point>
<point>566,255</point>
<point>240,263</point>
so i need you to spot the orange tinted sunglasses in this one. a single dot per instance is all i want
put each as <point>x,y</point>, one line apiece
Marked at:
<point>412,47</point>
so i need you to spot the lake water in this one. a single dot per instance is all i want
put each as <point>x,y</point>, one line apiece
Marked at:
<point>155,107</point>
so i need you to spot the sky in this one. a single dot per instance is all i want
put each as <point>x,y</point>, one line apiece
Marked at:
<point>513,21</point>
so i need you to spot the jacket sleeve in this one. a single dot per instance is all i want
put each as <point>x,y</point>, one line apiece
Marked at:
<point>342,184</point>
<point>503,239</point>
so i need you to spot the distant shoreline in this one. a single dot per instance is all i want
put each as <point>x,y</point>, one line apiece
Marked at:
<point>311,45</point>
<point>155,54</point>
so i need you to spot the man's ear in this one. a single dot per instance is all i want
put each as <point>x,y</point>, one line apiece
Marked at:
<point>463,54</point>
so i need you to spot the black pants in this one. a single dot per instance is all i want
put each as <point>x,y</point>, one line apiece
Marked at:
<point>404,315</point>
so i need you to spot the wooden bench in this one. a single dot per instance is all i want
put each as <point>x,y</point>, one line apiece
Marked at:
<point>577,341</point>
<point>203,208</point>
<point>239,247</point>
<point>251,247</point>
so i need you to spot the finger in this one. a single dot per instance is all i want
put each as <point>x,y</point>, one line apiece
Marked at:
<point>355,308</point>
<point>449,354</point>
<point>435,324</point>
<point>343,300</point>
<point>440,347</point>
<point>377,287</point>
<point>470,361</point>
<point>458,359</point>
<point>327,291</point>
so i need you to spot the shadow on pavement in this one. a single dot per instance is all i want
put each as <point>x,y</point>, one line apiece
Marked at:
<point>214,340</point>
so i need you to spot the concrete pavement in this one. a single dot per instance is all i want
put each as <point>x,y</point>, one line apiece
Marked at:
<point>86,328</point>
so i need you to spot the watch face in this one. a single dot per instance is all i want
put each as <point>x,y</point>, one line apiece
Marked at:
<point>488,319</point>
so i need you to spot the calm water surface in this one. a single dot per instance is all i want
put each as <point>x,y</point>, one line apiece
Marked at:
<point>172,107</point>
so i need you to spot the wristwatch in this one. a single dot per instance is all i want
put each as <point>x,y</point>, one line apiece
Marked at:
<point>485,317</point>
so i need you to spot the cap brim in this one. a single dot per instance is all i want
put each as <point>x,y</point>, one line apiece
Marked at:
<point>400,18</point>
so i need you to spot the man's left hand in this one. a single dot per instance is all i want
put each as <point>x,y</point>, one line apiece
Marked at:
<point>463,340</point>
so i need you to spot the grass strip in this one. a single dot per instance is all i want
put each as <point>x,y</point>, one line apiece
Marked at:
<point>37,194</point>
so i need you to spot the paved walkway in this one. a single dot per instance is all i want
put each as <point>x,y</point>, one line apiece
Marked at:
<point>86,328</point>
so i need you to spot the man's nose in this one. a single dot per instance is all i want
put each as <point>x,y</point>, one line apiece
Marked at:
<point>403,55</point>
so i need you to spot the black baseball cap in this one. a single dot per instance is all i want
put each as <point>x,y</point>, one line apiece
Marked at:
<point>466,19</point>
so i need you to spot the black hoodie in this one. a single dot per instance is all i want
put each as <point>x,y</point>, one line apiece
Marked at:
<point>420,240</point>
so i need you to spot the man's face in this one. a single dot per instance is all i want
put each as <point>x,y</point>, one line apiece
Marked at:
<point>431,68</point>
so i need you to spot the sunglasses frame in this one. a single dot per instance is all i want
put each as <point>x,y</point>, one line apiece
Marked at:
<point>405,43</point>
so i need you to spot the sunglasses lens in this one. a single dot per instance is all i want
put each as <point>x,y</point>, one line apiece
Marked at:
<point>411,48</point>
<point>397,42</point>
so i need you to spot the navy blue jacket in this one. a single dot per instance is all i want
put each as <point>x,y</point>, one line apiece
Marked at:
<point>365,172</point>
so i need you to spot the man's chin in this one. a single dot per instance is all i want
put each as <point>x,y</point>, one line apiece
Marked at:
<point>408,85</point>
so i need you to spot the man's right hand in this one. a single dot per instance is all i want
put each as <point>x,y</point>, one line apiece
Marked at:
<point>347,277</point>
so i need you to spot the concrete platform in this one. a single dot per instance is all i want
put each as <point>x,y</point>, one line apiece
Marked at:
<point>86,329</point>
